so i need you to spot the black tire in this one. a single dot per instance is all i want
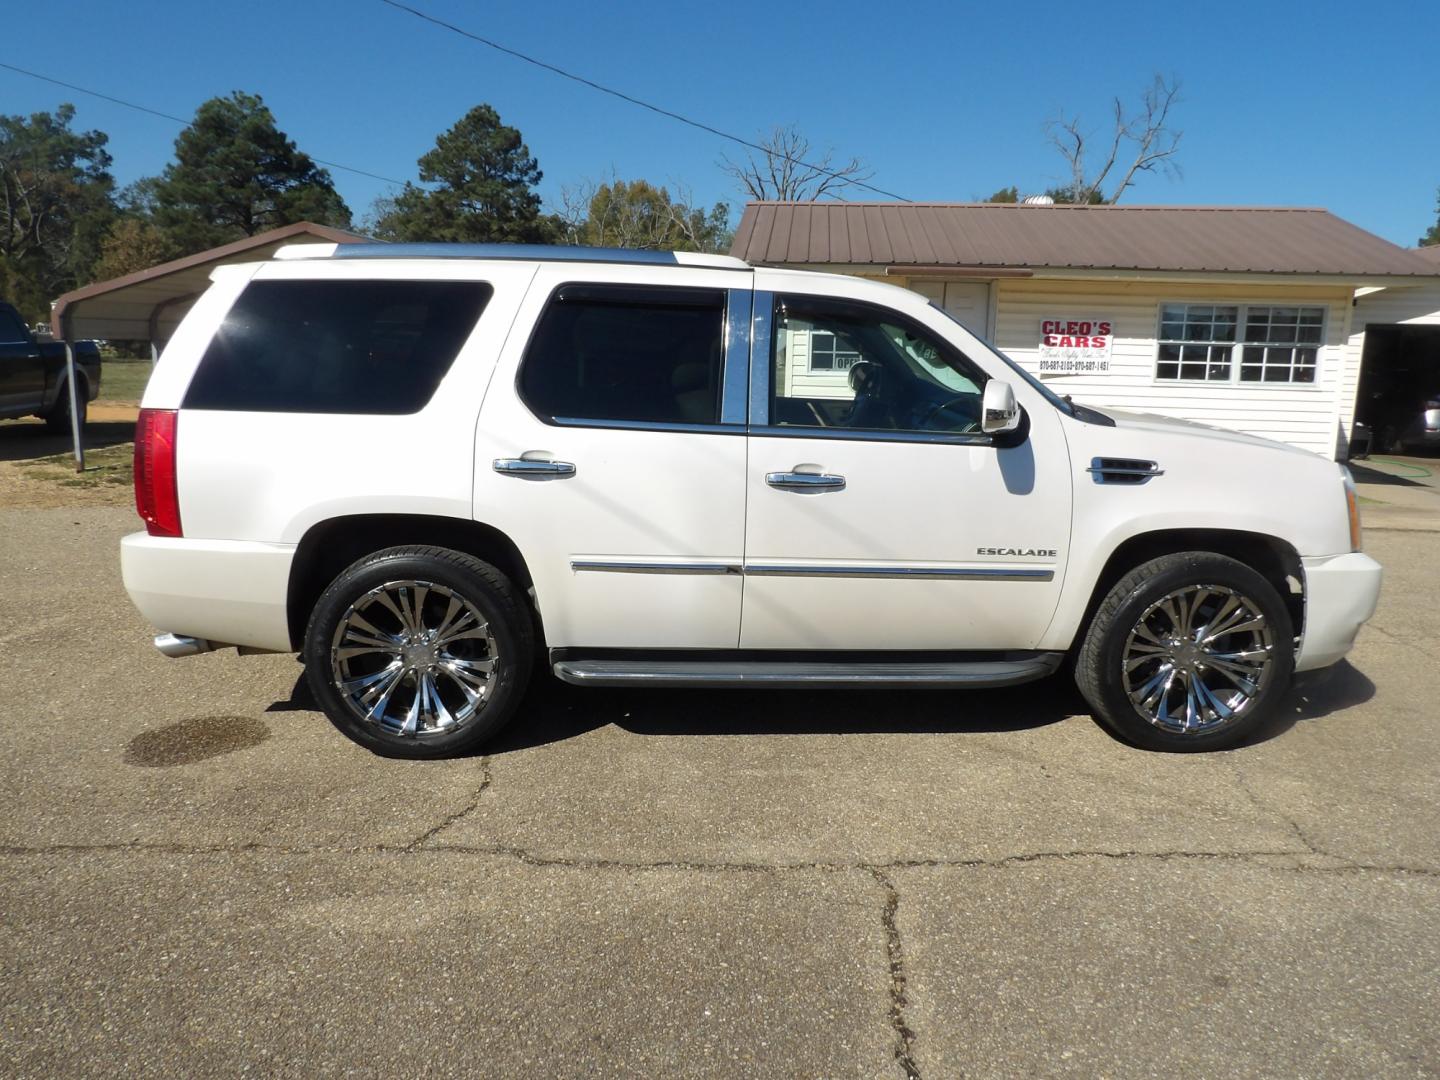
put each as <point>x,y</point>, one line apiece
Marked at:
<point>1140,595</point>
<point>57,420</point>
<point>509,642</point>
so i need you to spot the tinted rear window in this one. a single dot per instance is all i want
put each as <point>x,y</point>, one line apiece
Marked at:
<point>336,346</point>
<point>627,353</point>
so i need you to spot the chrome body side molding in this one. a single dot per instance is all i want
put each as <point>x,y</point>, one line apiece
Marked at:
<point>609,566</point>
<point>900,573</point>
<point>932,573</point>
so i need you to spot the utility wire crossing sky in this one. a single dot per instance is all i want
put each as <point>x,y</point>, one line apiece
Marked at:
<point>940,102</point>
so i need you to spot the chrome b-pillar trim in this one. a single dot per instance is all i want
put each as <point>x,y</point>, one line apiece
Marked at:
<point>736,384</point>
<point>760,345</point>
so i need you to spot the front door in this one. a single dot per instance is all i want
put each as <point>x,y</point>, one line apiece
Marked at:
<point>879,517</point>
<point>617,461</point>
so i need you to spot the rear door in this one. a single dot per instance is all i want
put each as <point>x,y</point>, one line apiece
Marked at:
<point>879,516</point>
<point>611,448</point>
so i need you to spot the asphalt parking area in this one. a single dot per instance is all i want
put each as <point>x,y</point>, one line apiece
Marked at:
<point>201,877</point>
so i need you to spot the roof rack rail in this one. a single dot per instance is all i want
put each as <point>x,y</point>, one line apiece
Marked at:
<point>526,252</point>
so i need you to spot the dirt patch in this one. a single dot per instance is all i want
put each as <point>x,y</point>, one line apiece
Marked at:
<point>37,469</point>
<point>106,412</point>
<point>193,740</point>
<point>52,481</point>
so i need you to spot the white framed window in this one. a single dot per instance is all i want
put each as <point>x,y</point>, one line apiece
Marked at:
<point>1282,344</point>
<point>1197,342</point>
<point>1275,343</point>
<point>830,352</point>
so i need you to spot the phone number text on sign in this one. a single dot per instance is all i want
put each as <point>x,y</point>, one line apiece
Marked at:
<point>1075,345</point>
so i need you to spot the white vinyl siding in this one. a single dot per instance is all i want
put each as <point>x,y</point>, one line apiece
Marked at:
<point>1306,415</point>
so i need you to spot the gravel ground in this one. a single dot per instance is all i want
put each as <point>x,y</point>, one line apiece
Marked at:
<point>202,878</point>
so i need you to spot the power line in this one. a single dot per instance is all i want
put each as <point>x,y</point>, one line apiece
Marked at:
<point>636,101</point>
<point>177,119</point>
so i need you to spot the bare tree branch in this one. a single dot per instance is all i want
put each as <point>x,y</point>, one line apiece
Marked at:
<point>1148,130</point>
<point>1157,142</point>
<point>788,170</point>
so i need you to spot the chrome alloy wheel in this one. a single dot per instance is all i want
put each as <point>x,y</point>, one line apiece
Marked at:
<point>1197,659</point>
<point>413,658</point>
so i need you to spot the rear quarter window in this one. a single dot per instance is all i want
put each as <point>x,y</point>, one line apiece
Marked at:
<point>375,347</point>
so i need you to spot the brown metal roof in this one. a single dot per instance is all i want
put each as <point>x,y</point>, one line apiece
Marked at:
<point>1209,239</point>
<point>1430,254</point>
<point>149,304</point>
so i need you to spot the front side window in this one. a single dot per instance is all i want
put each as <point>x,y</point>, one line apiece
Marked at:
<point>840,364</point>
<point>364,347</point>
<point>624,353</point>
<point>1202,342</point>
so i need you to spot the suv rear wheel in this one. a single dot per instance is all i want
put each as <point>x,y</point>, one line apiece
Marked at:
<point>419,652</point>
<point>1192,651</point>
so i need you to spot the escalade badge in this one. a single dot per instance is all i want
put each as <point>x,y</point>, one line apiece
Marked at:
<point>1022,553</point>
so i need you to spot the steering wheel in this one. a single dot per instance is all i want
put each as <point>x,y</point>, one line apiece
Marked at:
<point>951,403</point>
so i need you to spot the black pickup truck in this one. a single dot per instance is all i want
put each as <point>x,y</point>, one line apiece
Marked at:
<point>32,374</point>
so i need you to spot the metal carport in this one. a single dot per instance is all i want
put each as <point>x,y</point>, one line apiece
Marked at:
<point>149,304</point>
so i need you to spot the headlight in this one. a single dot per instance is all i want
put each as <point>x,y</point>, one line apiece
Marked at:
<point>1352,507</point>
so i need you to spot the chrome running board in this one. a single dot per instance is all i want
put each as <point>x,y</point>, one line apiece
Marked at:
<point>808,674</point>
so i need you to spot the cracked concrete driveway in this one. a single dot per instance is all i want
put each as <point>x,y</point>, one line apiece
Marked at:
<point>202,878</point>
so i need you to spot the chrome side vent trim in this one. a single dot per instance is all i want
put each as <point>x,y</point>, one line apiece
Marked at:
<point>1107,470</point>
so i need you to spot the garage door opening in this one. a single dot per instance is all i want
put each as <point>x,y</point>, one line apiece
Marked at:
<point>1399,399</point>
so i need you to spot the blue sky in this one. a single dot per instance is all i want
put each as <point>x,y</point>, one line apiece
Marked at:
<point>1316,104</point>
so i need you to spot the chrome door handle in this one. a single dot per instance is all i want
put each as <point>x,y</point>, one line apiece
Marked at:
<point>534,470</point>
<point>804,481</point>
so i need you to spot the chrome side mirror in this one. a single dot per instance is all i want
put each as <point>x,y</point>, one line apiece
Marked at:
<point>998,411</point>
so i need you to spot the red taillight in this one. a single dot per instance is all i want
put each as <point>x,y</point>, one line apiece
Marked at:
<point>156,495</point>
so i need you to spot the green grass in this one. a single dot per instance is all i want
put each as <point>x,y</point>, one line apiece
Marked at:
<point>105,467</point>
<point>123,381</point>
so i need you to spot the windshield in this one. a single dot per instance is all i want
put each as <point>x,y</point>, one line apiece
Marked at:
<point>1039,387</point>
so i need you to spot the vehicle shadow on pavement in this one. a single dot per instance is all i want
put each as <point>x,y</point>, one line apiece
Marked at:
<point>25,441</point>
<point>1331,690</point>
<point>554,711</point>
<point>1316,695</point>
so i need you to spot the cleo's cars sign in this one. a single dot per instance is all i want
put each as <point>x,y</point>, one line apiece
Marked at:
<point>1075,346</point>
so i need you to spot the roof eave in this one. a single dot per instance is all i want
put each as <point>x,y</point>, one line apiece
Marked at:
<point>893,270</point>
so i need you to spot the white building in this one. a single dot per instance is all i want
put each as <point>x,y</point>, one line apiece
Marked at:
<point>1259,320</point>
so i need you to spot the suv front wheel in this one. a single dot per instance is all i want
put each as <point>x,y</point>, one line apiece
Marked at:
<point>419,652</point>
<point>1191,651</point>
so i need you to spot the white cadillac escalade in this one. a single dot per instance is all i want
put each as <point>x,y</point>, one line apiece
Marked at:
<point>428,467</point>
